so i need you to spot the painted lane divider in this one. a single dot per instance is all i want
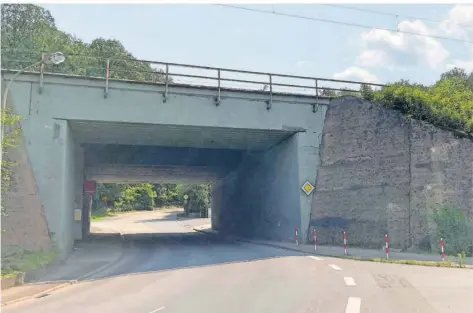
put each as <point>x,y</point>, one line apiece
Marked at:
<point>335,267</point>
<point>349,281</point>
<point>315,258</point>
<point>297,235</point>
<point>353,305</point>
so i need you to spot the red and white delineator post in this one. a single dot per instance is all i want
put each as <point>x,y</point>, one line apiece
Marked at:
<point>297,235</point>
<point>314,235</point>
<point>386,247</point>
<point>441,249</point>
<point>345,242</point>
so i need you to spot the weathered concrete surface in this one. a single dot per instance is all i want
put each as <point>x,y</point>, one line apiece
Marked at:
<point>381,173</point>
<point>24,226</point>
<point>71,111</point>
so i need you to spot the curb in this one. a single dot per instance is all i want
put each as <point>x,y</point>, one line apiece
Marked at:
<point>347,257</point>
<point>69,282</point>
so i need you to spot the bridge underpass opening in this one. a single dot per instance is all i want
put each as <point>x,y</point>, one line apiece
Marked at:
<point>253,173</point>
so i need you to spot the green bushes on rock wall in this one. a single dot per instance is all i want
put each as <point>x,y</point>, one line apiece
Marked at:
<point>453,227</point>
<point>447,104</point>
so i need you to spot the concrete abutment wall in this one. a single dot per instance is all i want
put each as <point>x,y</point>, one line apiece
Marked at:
<point>258,199</point>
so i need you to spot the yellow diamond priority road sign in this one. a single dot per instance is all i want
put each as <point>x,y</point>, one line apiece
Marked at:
<point>307,188</point>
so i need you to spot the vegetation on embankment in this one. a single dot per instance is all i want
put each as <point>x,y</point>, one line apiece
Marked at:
<point>447,104</point>
<point>24,261</point>
<point>11,139</point>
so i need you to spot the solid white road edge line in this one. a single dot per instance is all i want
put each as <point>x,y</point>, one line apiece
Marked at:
<point>315,258</point>
<point>335,267</point>
<point>353,305</point>
<point>158,309</point>
<point>349,281</point>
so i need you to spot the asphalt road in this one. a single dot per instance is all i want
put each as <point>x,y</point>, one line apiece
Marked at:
<point>176,270</point>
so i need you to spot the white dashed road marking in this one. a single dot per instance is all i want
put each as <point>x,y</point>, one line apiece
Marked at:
<point>158,309</point>
<point>353,305</point>
<point>315,258</point>
<point>335,267</point>
<point>349,281</point>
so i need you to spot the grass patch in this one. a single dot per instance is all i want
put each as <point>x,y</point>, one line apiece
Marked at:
<point>25,261</point>
<point>101,214</point>
<point>415,262</point>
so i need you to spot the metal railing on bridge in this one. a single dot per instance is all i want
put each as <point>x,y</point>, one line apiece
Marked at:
<point>171,74</point>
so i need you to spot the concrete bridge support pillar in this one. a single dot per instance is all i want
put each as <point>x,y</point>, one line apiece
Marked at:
<point>262,197</point>
<point>57,161</point>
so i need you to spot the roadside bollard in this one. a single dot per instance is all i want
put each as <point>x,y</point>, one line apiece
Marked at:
<point>386,240</point>
<point>314,234</point>
<point>441,249</point>
<point>297,236</point>
<point>345,242</point>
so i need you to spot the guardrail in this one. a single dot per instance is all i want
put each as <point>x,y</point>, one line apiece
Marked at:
<point>170,74</point>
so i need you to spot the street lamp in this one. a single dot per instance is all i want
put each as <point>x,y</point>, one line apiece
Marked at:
<point>47,58</point>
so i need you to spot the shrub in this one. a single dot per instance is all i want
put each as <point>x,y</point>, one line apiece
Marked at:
<point>199,198</point>
<point>448,103</point>
<point>453,226</point>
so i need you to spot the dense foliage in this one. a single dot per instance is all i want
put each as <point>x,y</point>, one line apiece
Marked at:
<point>28,29</point>
<point>126,197</point>
<point>448,103</point>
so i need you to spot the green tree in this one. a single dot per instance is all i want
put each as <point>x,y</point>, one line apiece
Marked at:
<point>168,194</point>
<point>461,74</point>
<point>327,93</point>
<point>199,198</point>
<point>366,92</point>
<point>25,26</point>
<point>28,29</point>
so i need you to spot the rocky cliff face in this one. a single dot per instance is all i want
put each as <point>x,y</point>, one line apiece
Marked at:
<point>381,173</point>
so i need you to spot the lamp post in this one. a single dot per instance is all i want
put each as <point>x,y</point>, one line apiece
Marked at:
<point>48,58</point>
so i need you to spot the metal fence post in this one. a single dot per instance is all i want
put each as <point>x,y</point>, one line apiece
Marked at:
<point>269,103</point>
<point>315,106</point>
<point>107,76</point>
<point>217,100</point>
<point>165,95</point>
<point>41,74</point>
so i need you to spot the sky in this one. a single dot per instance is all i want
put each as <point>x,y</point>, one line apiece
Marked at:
<point>212,35</point>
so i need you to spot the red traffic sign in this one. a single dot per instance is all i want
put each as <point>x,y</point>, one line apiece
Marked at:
<point>90,186</point>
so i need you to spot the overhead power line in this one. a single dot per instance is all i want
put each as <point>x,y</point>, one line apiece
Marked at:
<point>342,23</point>
<point>394,15</point>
